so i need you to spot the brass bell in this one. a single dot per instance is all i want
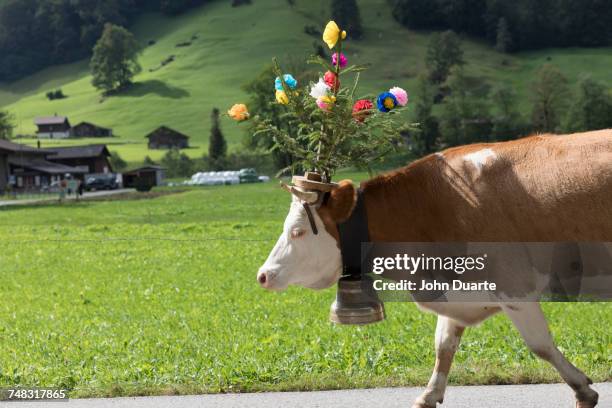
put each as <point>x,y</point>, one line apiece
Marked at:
<point>356,302</point>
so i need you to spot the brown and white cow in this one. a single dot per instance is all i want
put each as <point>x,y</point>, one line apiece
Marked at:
<point>542,188</point>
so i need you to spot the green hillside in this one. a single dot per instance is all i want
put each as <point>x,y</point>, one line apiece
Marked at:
<point>232,46</point>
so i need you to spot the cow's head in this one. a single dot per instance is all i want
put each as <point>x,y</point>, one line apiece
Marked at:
<point>301,257</point>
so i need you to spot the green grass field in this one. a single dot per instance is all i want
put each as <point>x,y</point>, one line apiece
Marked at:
<point>233,45</point>
<point>159,296</point>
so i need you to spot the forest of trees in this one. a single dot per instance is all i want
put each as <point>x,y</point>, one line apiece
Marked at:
<point>38,33</point>
<point>471,110</point>
<point>514,25</point>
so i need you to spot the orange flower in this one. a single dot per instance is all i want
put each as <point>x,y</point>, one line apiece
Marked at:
<point>239,112</point>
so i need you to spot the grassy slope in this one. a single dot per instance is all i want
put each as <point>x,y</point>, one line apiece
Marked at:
<point>233,45</point>
<point>141,297</point>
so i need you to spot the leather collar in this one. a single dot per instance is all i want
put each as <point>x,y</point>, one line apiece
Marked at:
<point>353,232</point>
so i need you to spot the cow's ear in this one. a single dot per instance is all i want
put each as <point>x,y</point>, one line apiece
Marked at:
<point>341,201</point>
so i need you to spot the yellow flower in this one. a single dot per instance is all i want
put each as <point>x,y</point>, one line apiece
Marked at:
<point>325,102</point>
<point>281,97</point>
<point>238,112</point>
<point>332,34</point>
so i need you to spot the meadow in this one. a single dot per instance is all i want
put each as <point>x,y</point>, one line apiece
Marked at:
<point>158,296</point>
<point>222,58</point>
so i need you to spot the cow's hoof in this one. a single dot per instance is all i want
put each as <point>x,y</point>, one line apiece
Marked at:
<point>587,401</point>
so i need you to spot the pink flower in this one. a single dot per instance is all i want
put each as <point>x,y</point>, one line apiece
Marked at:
<point>400,95</point>
<point>343,60</point>
<point>332,80</point>
<point>325,102</point>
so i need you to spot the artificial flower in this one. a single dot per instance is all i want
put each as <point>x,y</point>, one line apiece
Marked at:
<point>343,60</point>
<point>281,97</point>
<point>332,34</point>
<point>361,108</point>
<point>400,94</point>
<point>289,80</point>
<point>332,80</point>
<point>324,102</point>
<point>319,89</point>
<point>386,101</point>
<point>238,112</point>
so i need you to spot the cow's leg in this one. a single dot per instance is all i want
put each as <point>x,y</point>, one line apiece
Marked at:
<point>448,335</point>
<point>531,323</point>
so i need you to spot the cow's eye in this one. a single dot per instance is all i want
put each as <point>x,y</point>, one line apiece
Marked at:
<point>296,233</point>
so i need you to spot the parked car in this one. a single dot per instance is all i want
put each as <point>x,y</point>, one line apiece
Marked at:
<point>248,176</point>
<point>101,182</point>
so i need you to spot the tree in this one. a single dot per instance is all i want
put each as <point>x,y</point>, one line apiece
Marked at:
<point>465,116</point>
<point>503,41</point>
<point>443,52</point>
<point>534,23</point>
<point>507,121</point>
<point>6,125</point>
<point>114,62</point>
<point>346,14</point>
<point>419,14</point>
<point>117,162</point>
<point>217,146</point>
<point>38,33</point>
<point>550,95</point>
<point>592,108</point>
<point>426,137</point>
<point>148,161</point>
<point>177,164</point>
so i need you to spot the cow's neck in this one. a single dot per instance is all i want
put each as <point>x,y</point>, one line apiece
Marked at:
<point>396,206</point>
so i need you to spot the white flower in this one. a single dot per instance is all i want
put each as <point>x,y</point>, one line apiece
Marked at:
<point>319,89</point>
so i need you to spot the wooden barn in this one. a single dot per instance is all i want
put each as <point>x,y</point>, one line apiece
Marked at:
<point>53,127</point>
<point>165,138</point>
<point>88,129</point>
<point>91,158</point>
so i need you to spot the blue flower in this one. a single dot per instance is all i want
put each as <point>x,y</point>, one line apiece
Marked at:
<point>289,80</point>
<point>386,101</point>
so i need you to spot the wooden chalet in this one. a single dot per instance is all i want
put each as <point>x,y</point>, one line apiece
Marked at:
<point>90,158</point>
<point>165,138</point>
<point>25,167</point>
<point>53,127</point>
<point>88,129</point>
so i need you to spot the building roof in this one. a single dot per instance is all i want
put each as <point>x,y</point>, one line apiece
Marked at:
<point>75,152</point>
<point>90,124</point>
<point>44,166</point>
<point>50,120</point>
<point>174,133</point>
<point>19,148</point>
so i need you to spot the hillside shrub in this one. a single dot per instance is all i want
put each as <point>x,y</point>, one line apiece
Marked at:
<point>57,94</point>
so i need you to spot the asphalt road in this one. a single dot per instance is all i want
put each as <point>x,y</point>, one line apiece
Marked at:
<point>55,197</point>
<point>496,396</point>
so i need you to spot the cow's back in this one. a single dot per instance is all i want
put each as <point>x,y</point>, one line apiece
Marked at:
<point>540,188</point>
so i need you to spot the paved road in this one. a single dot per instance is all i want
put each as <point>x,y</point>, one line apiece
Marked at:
<point>498,396</point>
<point>54,197</point>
